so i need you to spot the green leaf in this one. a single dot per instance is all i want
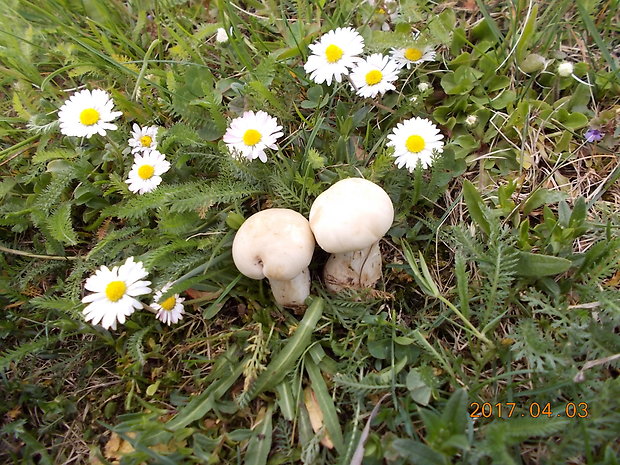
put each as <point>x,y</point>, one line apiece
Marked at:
<point>419,390</point>
<point>60,225</point>
<point>260,442</point>
<point>282,363</point>
<point>476,206</point>
<point>418,453</point>
<point>326,404</point>
<point>286,401</point>
<point>600,42</point>
<point>528,32</point>
<point>575,121</point>
<point>541,197</point>
<point>230,369</point>
<point>455,415</point>
<point>538,265</point>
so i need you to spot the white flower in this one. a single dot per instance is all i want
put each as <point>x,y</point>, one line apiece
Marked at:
<point>414,140</point>
<point>565,69</point>
<point>143,139</point>
<point>249,135</point>
<point>145,174</point>
<point>423,86</point>
<point>334,54</point>
<point>374,75</point>
<point>87,113</point>
<point>221,36</point>
<point>171,309</point>
<point>114,293</point>
<point>412,55</point>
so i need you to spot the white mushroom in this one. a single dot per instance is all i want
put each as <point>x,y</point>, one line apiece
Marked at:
<point>348,220</point>
<point>276,244</point>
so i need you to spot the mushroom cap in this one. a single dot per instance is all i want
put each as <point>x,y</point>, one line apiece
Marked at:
<point>351,215</point>
<point>276,243</point>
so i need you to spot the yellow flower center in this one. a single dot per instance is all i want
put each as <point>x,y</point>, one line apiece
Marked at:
<point>415,144</point>
<point>251,137</point>
<point>413,54</point>
<point>333,53</point>
<point>89,116</point>
<point>115,290</point>
<point>146,171</point>
<point>373,77</point>
<point>169,303</point>
<point>146,141</point>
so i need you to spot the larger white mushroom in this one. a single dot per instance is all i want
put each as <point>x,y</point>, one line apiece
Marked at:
<point>348,220</point>
<point>276,244</point>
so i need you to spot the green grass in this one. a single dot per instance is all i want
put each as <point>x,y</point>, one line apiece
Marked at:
<point>500,286</point>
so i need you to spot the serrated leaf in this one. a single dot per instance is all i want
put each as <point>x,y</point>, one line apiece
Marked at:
<point>47,155</point>
<point>60,225</point>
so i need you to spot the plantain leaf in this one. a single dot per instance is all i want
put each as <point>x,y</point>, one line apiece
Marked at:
<point>260,442</point>
<point>538,265</point>
<point>476,206</point>
<point>326,404</point>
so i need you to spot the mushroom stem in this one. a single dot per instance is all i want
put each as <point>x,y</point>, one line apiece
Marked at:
<point>358,269</point>
<point>292,293</point>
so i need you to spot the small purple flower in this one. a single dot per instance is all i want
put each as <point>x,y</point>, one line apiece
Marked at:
<point>593,135</point>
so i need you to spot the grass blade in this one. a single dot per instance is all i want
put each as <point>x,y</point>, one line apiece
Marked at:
<point>591,27</point>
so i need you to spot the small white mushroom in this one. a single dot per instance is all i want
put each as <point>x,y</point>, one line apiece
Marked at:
<point>348,220</point>
<point>276,244</point>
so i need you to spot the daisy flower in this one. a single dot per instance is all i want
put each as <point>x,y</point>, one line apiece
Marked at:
<point>414,140</point>
<point>113,293</point>
<point>143,139</point>
<point>334,54</point>
<point>249,135</point>
<point>412,55</point>
<point>145,174</point>
<point>374,75</point>
<point>171,309</point>
<point>87,113</point>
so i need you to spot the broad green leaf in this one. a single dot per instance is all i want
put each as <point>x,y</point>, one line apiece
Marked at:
<point>419,390</point>
<point>575,121</point>
<point>541,197</point>
<point>538,265</point>
<point>455,415</point>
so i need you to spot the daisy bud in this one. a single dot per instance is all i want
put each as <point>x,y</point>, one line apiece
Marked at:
<point>471,120</point>
<point>423,86</point>
<point>221,36</point>
<point>565,69</point>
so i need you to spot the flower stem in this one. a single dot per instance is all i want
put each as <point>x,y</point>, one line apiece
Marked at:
<point>34,255</point>
<point>473,329</point>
